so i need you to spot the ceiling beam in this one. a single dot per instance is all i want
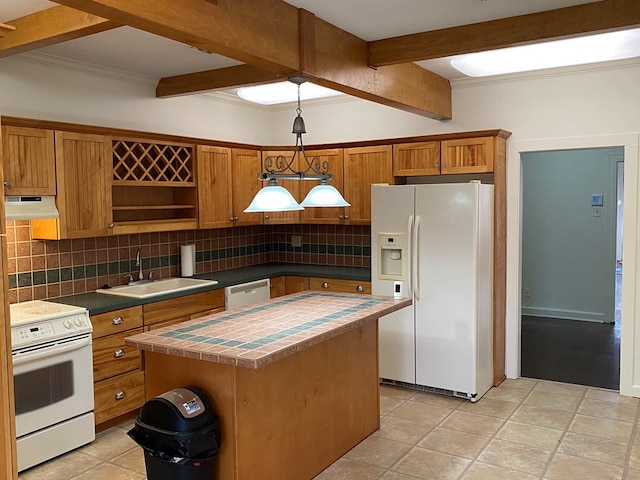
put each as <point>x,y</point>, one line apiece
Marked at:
<point>604,15</point>
<point>339,62</point>
<point>262,34</point>
<point>280,39</point>
<point>222,78</point>
<point>49,27</point>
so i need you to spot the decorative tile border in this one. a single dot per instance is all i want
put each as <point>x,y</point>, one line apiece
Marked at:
<point>47,269</point>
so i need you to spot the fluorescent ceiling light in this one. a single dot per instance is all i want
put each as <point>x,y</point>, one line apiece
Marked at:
<point>559,53</point>
<point>283,92</point>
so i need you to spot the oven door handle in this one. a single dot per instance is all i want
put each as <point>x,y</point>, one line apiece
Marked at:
<point>25,357</point>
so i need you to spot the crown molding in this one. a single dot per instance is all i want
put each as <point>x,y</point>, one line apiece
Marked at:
<point>62,63</point>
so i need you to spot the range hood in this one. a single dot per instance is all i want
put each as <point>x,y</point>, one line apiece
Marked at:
<point>30,207</point>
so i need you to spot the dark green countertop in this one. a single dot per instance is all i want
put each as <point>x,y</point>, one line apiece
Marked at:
<point>99,303</point>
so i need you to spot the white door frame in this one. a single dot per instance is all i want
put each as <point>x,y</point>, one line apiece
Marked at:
<point>630,328</point>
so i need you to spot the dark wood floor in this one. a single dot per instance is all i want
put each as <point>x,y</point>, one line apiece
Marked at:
<point>571,351</point>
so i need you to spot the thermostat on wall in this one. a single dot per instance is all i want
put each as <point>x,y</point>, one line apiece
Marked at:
<point>597,200</point>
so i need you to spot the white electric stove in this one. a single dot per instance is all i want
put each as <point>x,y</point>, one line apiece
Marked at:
<point>53,379</point>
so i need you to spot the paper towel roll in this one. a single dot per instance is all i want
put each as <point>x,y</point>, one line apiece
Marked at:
<point>187,260</point>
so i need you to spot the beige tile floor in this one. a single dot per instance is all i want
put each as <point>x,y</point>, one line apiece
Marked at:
<point>523,429</point>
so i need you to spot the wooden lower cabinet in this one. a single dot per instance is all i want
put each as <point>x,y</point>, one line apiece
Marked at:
<point>339,285</point>
<point>277,286</point>
<point>181,309</point>
<point>285,285</point>
<point>112,357</point>
<point>118,396</point>
<point>294,284</point>
<point>118,374</point>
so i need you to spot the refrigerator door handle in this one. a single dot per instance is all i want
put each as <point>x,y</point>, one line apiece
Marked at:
<point>416,258</point>
<point>410,255</point>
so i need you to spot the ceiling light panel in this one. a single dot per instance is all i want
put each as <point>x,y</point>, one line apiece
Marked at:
<point>559,53</point>
<point>283,92</point>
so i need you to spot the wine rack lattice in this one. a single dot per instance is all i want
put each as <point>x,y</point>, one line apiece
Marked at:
<point>151,162</point>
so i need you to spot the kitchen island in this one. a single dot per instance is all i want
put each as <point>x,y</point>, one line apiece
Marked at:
<point>294,380</point>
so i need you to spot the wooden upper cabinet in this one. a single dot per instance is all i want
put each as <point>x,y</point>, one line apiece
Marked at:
<point>364,166</point>
<point>467,155</point>
<point>325,215</point>
<point>213,166</point>
<point>245,167</point>
<point>153,186</point>
<point>293,186</point>
<point>83,171</point>
<point>29,161</point>
<point>421,158</point>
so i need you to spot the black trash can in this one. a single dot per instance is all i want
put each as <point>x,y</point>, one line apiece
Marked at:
<point>180,435</point>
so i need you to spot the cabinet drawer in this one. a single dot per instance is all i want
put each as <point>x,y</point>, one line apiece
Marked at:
<point>112,357</point>
<point>182,306</point>
<point>337,285</point>
<point>118,395</point>
<point>116,321</point>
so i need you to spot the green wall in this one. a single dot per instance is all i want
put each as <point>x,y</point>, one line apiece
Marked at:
<point>568,253</point>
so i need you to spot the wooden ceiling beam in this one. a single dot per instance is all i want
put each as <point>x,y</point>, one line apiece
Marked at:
<point>263,34</point>
<point>600,16</point>
<point>210,80</point>
<point>280,39</point>
<point>339,62</point>
<point>49,27</point>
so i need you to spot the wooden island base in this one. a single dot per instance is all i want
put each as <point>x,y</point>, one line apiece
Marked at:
<point>290,419</point>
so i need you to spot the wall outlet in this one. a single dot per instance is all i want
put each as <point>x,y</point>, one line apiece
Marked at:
<point>296,241</point>
<point>527,292</point>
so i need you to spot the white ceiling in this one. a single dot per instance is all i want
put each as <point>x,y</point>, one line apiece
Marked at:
<point>139,52</point>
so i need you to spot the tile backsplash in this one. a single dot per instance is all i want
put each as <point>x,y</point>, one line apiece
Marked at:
<point>39,269</point>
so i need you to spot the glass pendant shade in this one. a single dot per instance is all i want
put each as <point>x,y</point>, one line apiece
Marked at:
<point>273,198</point>
<point>324,195</point>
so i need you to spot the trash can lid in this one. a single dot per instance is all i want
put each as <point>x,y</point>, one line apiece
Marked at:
<point>186,401</point>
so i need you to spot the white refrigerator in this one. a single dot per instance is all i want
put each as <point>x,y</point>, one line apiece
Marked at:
<point>435,244</point>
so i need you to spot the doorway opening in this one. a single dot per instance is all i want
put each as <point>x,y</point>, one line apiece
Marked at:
<point>572,265</point>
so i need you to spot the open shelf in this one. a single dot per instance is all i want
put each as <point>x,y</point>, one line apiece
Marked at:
<point>153,187</point>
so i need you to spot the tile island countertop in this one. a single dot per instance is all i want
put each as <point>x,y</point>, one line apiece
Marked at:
<point>260,334</point>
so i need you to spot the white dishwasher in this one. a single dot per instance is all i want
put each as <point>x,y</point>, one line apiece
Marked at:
<point>245,294</point>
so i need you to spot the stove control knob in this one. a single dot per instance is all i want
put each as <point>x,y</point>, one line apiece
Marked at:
<point>78,321</point>
<point>67,323</point>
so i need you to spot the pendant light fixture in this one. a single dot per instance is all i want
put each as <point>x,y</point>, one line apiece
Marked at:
<point>274,198</point>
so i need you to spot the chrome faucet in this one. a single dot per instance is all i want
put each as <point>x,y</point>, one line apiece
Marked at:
<point>139,265</point>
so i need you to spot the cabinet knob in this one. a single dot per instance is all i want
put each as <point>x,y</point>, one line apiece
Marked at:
<point>120,395</point>
<point>324,285</point>
<point>110,225</point>
<point>436,165</point>
<point>118,353</point>
<point>117,320</point>
<point>6,183</point>
<point>360,288</point>
<point>340,217</point>
<point>443,165</point>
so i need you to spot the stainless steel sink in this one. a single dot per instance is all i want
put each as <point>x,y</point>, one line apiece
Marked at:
<point>157,287</point>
